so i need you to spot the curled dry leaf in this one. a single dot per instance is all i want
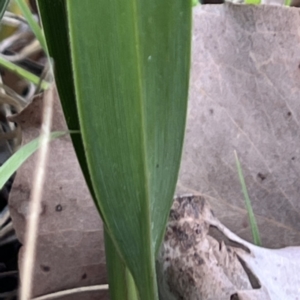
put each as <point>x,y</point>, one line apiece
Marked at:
<point>70,250</point>
<point>244,96</point>
<point>198,263</point>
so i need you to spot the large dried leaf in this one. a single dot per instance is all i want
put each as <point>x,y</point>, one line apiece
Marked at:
<point>245,96</point>
<point>70,250</point>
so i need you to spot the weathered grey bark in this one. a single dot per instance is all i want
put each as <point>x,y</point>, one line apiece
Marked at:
<point>193,265</point>
<point>201,259</point>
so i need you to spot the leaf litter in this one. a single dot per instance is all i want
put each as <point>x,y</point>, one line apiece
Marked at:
<point>244,96</point>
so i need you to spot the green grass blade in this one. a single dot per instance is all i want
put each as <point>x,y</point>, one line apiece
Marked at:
<point>32,23</point>
<point>18,158</point>
<point>254,2</point>
<point>3,6</point>
<point>131,67</point>
<point>252,219</point>
<point>23,73</point>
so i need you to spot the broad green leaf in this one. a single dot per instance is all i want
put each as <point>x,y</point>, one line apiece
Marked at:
<point>18,158</point>
<point>131,66</point>
<point>3,6</point>
<point>57,38</point>
<point>54,22</point>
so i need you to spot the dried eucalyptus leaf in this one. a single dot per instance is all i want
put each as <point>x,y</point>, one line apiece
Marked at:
<point>244,96</point>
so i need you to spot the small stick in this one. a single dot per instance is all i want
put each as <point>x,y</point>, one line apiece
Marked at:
<point>73,291</point>
<point>35,201</point>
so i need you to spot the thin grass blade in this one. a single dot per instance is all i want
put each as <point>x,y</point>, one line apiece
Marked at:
<point>32,23</point>
<point>23,73</point>
<point>252,219</point>
<point>19,157</point>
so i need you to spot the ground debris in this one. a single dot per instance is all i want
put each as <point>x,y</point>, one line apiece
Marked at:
<point>196,262</point>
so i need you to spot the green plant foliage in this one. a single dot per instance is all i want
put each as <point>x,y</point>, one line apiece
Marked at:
<point>54,20</point>
<point>130,63</point>
<point>287,2</point>
<point>252,219</point>
<point>19,157</point>
<point>121,284</point>
<point>36,29</point>
<point>23,73</point>
<point>3,6</point>
<point>254,2</point>
<point>32,23</point>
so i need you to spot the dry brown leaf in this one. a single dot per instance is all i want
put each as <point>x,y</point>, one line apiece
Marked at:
<point>245,96</point>
<point>195,264</point>
<point>70,250</point>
